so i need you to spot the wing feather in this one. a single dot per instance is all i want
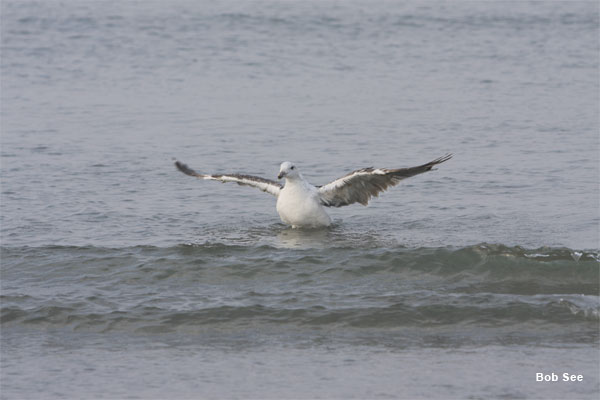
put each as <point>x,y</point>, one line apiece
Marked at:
<point>263,184</point>
<point>360,185</point>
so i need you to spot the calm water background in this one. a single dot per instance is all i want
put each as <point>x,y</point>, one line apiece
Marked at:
<point>123,278</point>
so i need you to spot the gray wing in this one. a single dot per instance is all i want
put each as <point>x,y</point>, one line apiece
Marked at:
<point>263,184</point>
<point>360,185</point>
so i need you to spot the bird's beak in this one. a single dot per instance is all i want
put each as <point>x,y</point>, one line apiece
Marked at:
<point>281,175</point>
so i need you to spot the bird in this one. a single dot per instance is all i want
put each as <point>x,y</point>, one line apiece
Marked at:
<point>302,205</point>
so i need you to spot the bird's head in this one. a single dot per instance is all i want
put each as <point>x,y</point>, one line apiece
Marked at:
<point>287,170</point>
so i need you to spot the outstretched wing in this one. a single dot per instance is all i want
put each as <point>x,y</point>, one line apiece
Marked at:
<point>360,185</point>
<point>263,184</point>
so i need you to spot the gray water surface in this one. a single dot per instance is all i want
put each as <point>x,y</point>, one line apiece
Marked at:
<point>123,278</point>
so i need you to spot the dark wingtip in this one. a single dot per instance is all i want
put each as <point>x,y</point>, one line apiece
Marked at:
<point>429,166</point>
<point>185,169</point>
<point>443,158</point>
<point>181,166</point>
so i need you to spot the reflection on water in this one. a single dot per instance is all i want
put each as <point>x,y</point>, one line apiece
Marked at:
<point>336,236</point>
<point>291,238</point>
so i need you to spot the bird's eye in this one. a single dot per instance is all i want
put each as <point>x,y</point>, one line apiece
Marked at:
<point>293,167</point>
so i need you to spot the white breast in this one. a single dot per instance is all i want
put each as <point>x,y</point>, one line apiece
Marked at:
<point>298,205</point>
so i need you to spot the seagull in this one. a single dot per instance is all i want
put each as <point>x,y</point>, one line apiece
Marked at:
<point>302,205</point>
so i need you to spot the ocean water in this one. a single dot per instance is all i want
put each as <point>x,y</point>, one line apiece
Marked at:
<point>123,278</point>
